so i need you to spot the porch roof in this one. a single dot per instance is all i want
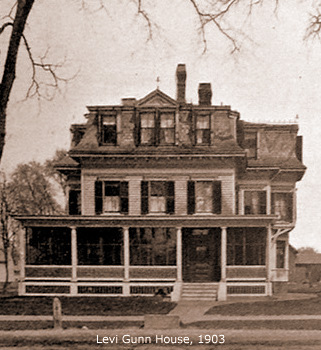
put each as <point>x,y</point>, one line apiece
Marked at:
<point>148,221</point>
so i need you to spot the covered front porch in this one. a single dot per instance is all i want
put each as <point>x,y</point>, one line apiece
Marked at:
<point>144,256</point>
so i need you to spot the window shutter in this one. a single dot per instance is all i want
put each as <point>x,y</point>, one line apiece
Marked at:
<point>170,197</point>
<point>217,197</point>
<point>124,197</point>
<point>191,197</point>
<point>98,197</point>
<point>144,197</point>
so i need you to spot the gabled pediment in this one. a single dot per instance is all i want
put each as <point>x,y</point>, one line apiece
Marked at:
<point>157,98</point>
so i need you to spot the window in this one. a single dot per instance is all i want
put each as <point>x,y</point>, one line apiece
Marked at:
<point>147,128</point>
<point>280,254</point>
<point>48,246</point>
<point>250,144</point>
<point>167,129</point>
<point>203,130</point>
<point>254,202</point>
<point>100,246</point>
<point>246,246</point>
<point>152,246</point>
<point>204,197</point>
<point>111,197</point>
<point>282,205</point>
<point>109,130</point>
<point>157,128</point>
<point>157,197</point>
<point>74,202</point>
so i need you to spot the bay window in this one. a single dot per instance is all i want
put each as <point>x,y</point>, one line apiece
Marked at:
<point>254,202</point>
<point>280,254</point>
<point>282,205</point>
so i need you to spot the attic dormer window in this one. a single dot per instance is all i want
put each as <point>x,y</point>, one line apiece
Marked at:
<point>250,144</point>
<point>157,128</point>
<point>109,130</point>
<point>203,130</point>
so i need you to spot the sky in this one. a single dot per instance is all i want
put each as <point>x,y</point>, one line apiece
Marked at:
<point>107,56</point>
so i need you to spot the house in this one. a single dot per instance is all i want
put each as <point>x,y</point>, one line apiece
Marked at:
<point>172,197</point>
<point>308,267</point>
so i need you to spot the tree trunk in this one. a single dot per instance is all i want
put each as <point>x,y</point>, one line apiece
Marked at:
<point>9,73</point>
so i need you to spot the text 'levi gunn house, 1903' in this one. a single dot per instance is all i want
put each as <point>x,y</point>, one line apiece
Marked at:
<point>169,196</point>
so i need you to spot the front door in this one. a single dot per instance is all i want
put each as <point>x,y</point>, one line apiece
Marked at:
<point>201,255</point>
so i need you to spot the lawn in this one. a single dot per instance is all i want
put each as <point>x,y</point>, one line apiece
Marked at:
<point>99,306</point>
<point>310,306</point>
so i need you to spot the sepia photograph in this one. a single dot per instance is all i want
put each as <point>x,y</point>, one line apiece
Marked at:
<point>159,174</point>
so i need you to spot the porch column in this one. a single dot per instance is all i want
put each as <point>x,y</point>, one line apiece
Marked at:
<point>268,200</point>
<point>126,287</point>
<point>176,294</point>
<point>223,253</point>
<point>74,261</point>
<point>269,257</point>
<point>179,254</point>
<point>222,286</point>
<point>286,256</point>
<point>22,253</point>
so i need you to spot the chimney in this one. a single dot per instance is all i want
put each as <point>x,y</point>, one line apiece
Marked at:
<point>205,94</point>
<point>180,81</point>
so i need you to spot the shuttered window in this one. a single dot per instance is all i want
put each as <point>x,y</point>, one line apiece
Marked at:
<point>204,197</point>
<point>111,197</point>
<point>157,197</point>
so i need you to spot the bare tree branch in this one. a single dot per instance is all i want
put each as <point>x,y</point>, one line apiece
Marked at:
<point>9,15</point>
<point>4,26</point>
<point>50,68</point>
<point>314,29</point>
<point>214,18</point>
<point>143,13</point>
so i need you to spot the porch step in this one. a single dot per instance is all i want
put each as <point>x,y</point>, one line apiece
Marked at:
<point>199,291</point>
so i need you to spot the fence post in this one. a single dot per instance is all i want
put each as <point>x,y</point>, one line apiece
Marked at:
<point>57,317</point>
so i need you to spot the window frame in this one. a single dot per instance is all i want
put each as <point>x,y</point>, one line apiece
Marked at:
<point>280,254</point>
<point>209,129</point>
<point>245,246</point>
<point>156,138</point>
<point>259,205</point>
<point>215,204</point>
<point>102,116</point>
<point>144,251</point>
<point>246,142</point>
<point>100,191</point>
<point>291,208</point>
<point>146,194</point>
